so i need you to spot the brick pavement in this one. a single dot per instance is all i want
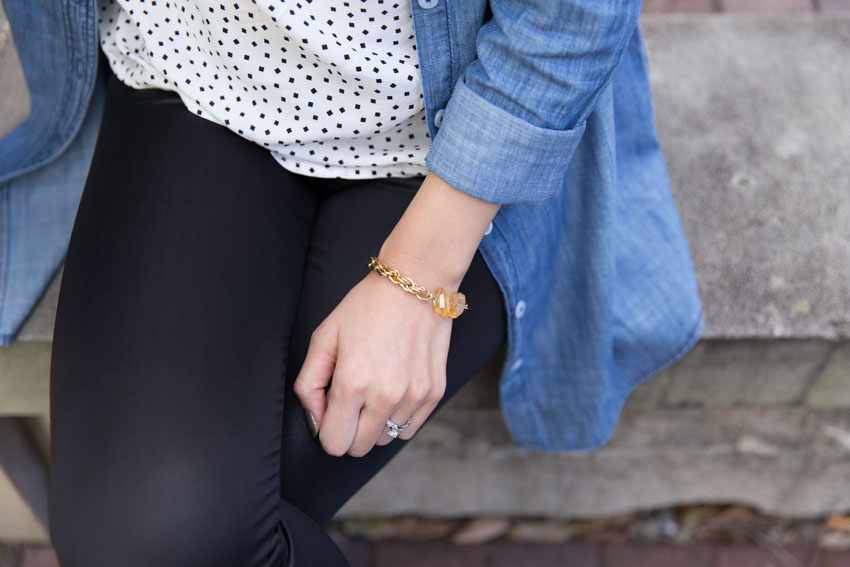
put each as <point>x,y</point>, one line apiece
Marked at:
<point>39,557</point>
<point>834,5</point>
<point>363,553</point>
<point>775,6</point>
<point>589,554</point>
<point>9,556</point>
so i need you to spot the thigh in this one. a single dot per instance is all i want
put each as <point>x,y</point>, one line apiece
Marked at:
<point>172,331</point>
<point>351,225</point>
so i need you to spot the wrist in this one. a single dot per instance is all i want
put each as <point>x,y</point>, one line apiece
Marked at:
<point>438,234</point>
<point>448,303</point>
<point>428,272</point>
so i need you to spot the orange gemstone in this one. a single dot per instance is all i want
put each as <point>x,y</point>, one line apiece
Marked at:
<point>458,302</point>
<point>441,302</point>
<point>449,304</point>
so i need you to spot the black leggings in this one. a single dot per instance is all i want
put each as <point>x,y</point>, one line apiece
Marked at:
<point>196,271</point>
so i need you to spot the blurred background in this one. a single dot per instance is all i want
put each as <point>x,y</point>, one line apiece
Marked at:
<point>737,455</point>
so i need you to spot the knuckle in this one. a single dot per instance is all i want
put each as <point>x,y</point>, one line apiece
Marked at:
<point>419,391</point>
<point>317,337</point>
<point>353,386</point>
<point>348,385</point>
<point>388,397</point>
<point>436,394</point>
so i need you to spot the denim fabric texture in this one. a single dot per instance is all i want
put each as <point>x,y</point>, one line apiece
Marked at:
<point>44,160</point>
<point>543,106</point>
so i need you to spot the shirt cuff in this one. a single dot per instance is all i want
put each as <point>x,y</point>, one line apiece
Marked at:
<point>491,154</point>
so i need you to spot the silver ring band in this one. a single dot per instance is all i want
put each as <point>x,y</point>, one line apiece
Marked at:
<point>396,427</point>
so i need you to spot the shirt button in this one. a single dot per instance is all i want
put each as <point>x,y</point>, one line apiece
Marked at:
<point>427,3</point>
<point>520,309</point>
<point>489,228</point>
<point>438,118</point>
<point>517,363</point>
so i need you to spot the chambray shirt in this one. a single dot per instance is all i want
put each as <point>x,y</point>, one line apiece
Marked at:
<point>543,106</point>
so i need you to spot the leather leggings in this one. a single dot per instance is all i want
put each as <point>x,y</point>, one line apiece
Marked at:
<point>196,271</point>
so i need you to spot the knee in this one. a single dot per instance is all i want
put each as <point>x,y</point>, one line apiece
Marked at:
<point>147,520</point>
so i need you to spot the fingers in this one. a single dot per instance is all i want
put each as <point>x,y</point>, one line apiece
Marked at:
<point>417,414</point>
<point>345,400</point>
<point>352,414</point>
<point>417,408</point>
<point>372,425</point>
<point>357,411</point>
<point>352,388</point>
<point>426,408</point>
<point>370,429</point>
<point>317,369</point>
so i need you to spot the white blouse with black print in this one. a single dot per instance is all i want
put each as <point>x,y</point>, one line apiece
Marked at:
<point>332,88</point>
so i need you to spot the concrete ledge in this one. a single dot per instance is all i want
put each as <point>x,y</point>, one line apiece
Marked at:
<point>24,378</point>
<point>23,483</point>
<point>784,461</point>
<point>787,458</point>
<point>752,112</point>
<point>17,522</point>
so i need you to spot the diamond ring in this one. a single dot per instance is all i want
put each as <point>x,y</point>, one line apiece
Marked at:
<point>395,428</point>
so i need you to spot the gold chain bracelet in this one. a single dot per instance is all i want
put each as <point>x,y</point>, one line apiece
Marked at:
<point>446,304</point>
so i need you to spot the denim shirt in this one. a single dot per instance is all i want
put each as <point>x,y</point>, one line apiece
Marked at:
<point>543,106</point>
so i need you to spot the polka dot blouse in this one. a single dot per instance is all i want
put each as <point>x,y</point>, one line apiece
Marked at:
<point>332,88</point>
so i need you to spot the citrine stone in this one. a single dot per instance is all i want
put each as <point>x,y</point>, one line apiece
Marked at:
<point>449,304</point>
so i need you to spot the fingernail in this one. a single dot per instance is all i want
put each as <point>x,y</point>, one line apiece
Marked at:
<point>311,422</point>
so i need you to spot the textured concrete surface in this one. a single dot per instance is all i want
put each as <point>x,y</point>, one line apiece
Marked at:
<point>747,372</point>
<point>711,428</point>
<point>17,523</point>
<point>24,465</point>
<point>39,325</point>
<point>788,461</point>
<point>24,378</point>
<point>754,115</point>
<point>832,388</point>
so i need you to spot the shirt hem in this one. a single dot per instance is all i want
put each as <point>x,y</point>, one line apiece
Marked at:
<point>396,170</point>
<point>620,399</point>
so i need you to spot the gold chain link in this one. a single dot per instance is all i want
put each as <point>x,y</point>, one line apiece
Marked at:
<point>406,283</point>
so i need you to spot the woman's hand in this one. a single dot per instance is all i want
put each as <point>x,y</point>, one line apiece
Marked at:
<point>386,351</point>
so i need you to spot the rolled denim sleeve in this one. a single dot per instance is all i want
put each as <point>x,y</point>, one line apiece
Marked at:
<point>517,113</point>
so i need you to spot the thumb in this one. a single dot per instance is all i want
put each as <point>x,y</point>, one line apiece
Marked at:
<point>316,371</point>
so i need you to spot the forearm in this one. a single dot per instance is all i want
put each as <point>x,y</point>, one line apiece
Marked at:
<point>438,234</point>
